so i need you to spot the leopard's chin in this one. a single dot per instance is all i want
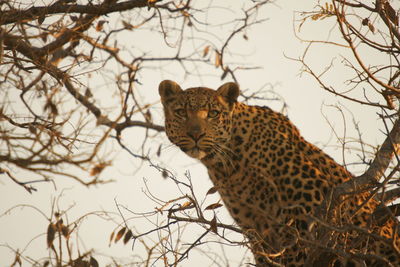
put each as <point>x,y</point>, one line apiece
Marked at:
<point>196,153</point>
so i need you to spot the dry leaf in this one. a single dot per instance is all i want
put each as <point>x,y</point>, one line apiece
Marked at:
<point>164,174</point>
<point>41,19</point>
<point>93,262</point>
<point>59,224</point>
<point>212,190</point>
<point>17,260</point>
<point>226,71</point>
<point>371,27</point>
<point>32,129</point>
<point>213,225</point>
<point>97,169</point>
<point>148,117</point>
<point>391,14</point>
<point>213,206</point>
<point>159,150</point>
<point>186,204</point>
<point>51,107</point>
<point>88,93</point>
<point>185,14</point>
<point>100,24</point>
<point>127,25</point>
<point>111,238</point>
<point>44,36</point>
<point>120,234</point>
<point>206,50</point>
<point>80,263</point>
<point>65,231</point>
<point>217,59</point>
<point>316,16</point>
<point>51,231</point>
<point>127,236</point>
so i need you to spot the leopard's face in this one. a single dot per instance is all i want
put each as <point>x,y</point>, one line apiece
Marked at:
<point>198,120</point>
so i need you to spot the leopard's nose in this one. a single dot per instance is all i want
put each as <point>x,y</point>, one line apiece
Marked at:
<point>196,133</point>
<point>196,137</point>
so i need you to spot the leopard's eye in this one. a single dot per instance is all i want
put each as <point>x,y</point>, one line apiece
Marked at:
<point>213,113</point>
<point>180,112</point>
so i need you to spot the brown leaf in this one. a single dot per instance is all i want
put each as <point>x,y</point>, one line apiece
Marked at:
<point>365,21</point>
<point>127,236</point>
<point>148,117</point>
<point>88,93</point>
<point>120,234</point>
<point>65,231</point>
<point>316,16</point>
<point>226,71</point>
<point>186,204</point>
<point>391,14</point>
<point>217,59</point>
<point>73,18</point>
<point>206,50</point>
<point>44,36</point>
<point>59,224</point>
<point>111,238</point>
<point>127,25</point>
<point>80,263</point>
<point>159,150</point>
<point>99,26</point>
<point>371,27</point>
<point>17,259</point>
<point>98,168</point>
<point>93,262</point>
<point>213,206</point>
<point>185,14</point>
<point>213,225</point>
<point>41,19</point>
<point>32,129</point>
<point>212,190</point>
<point>51,231</point>
<point>51,107</point>
<point>164,174</point>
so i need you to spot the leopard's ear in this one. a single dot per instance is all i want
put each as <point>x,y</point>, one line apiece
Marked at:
<point>168,89</point>
<point>229,91</point>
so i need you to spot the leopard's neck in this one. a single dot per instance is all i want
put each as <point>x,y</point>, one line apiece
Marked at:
<point>230,161</point>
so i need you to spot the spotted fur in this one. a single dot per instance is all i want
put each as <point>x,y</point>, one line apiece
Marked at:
<point>268,176</point>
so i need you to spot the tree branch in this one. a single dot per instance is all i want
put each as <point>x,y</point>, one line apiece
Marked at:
<point>389,148</point>
<point>32,13</point>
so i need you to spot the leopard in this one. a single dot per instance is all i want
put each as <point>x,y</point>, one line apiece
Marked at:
<point>271,180</point>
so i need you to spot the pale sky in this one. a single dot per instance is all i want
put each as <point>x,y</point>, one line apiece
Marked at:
<point>269,45</point>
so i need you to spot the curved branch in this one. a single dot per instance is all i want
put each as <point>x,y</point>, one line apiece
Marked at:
<point>32,13</point>
<point>33,53</point>
<point>341,19</point>
<point>389,148</point>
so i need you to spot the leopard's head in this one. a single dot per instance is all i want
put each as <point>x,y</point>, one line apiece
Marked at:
<point>198,120</point>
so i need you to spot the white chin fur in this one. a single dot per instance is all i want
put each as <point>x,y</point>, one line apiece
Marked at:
<point>196,153</point>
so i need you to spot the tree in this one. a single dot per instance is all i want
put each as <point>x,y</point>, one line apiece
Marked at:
<point>73,74</point>
<point>73,80</point>
<point>365,30</point>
